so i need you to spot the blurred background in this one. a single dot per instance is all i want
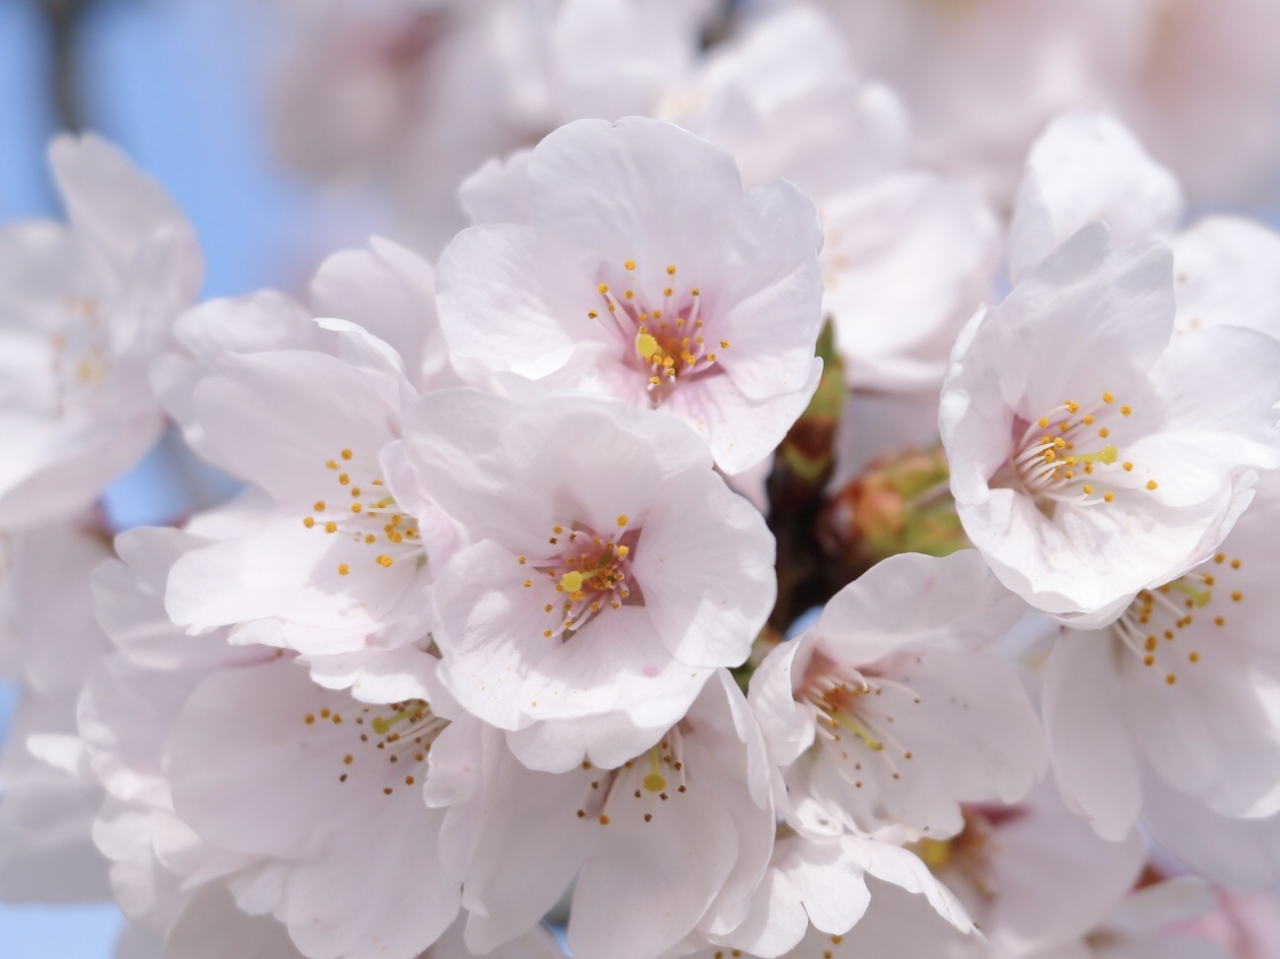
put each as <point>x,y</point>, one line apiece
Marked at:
<point>178,84</point>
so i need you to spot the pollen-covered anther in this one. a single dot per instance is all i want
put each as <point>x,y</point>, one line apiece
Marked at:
<point>1059,449</point>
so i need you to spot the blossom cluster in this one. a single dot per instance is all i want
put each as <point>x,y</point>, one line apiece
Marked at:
<point>714,518</point>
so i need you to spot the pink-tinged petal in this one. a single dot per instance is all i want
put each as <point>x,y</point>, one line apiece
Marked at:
<point>787,727</point>
<point>908,259</point>
<point>499,191</point>
<point>517,873</point>
<point>496,305</point>
<point>319,406</point>
<point>609,188</point>
<point>1086,168</point>
<point>615,663</point>
<point>705,563</point>
<point>893,864</point>
<point>648,883</point>
<point>388,291</point>
<point>606,739</point>
<point>740,432</point>
<point>767,276</point>
<point>1057,879</point>
<point>292,573</point>
<point>1082,706</point>
<point>490,630</point>
<point>913,600</point>
<point>1216,391</point>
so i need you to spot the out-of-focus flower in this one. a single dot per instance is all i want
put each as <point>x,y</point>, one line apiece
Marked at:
<point>85,306</point>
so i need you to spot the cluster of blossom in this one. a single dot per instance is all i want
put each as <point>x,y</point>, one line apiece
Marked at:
<point>705,540</point>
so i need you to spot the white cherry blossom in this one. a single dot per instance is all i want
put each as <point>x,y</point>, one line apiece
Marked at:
<point>85,306</point>
<point>1094,454</point>
<point>1185,681</point>
<point>611,569</point>
<point>339,560</point>
<point>645,272</point>
<point>670,841</point>
<point>888,714</point>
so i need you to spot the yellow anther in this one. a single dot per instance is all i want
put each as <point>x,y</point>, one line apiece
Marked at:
<point>1126,410</point>
<point>370,538</point>
<point>1220,558</point>
<point>1171,679</point>
<point>1043,422</point>
<point>1108,398</point>
<point>1237,596</point>
<point>344,479</point>
<point>1104,432</point>
<point>1152,484</point>
<point>1193,656</point>
<point>1148,660</point>
<point>355,491</point>
<point>1087,420</point>
<point>331,464</point>
<point>1109,497</point>
<point>318,506</point>
<point>546,633</point>
<point>343,569</point>
<point>647,346</point>
<point>356,507</point>
<point>385,560</point>
<point>603,288</point>
<point>346,454</point>
<point>331,527</point>
<point>668,291</point>
<point>622,519</point>
<point>557,529</point>
<point>671,270</point>
<point>592,314</point>
<point>309,522</point>
<point>724,344</point>
<point>630,295</point>
<point>1088,490</point>
<point>630,264</point>
<point>522,559</point>
<point>1073,407</point>
<point>1128,467</point>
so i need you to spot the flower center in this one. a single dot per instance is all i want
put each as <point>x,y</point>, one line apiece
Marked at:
<point>666,340</point>
<point>640,786</point>
<point>1065,456</point>
<point>388,744</point>
<point>365,512</point>
<point>851,709</point>
<point>1157,619</point>
<point>590,571</point>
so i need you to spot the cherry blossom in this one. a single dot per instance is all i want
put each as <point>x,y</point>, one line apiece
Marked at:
<point>642,273</point>
<point>1093,454</point>
<point>887,713</point>
<point>671,840</point>
<point>611,569</point>
<point>85,306</point>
